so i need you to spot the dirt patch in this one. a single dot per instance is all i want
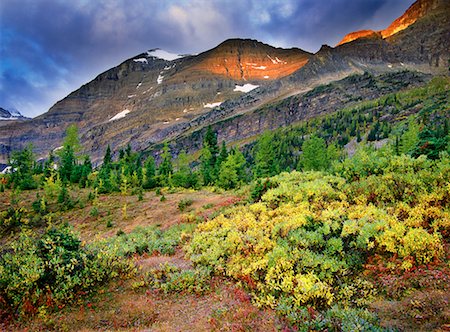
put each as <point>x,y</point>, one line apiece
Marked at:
<point>116,212</point>
<point>120,308</point>
<point>420,311</point>
<point>145,262</point>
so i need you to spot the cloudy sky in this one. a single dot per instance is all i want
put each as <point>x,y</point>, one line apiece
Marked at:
<point>49,48</point>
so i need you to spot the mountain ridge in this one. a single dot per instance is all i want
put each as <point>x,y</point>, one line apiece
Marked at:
<point>416,11</point>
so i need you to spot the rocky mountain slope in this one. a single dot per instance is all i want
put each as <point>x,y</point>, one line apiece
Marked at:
<point>157,96</point>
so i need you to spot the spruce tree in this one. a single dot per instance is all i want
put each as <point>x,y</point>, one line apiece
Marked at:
<point>165,169</point>
<point>107,159</point>
<point>232,171</point>
<point>150,172</point>
<point>266,164</point>
<point>183,177</point>
<point>209,157</point>
<point>315,155</point>
<point>67,154</point>
<point>22,168</point>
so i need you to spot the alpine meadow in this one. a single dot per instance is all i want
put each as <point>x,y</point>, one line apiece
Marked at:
<point>244,188</point>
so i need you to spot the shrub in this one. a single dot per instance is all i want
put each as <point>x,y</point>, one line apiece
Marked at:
<point>54,269</point>
<point>169,278</point>
<point>308,238</point>
<point>184,203</point>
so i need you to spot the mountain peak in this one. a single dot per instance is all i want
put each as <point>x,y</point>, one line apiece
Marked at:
<point>249,59</point>
<point>12,114</point>
<point>358,34</point>
<point>417,10</point>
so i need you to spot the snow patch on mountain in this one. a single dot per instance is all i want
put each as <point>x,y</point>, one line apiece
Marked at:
<point>245,88</point>
<point>276,60</point>
<point>160,79</point>
<point>120,115</point>
<point>142,60</point>
<point>212,105</point>
<point>161,54</point>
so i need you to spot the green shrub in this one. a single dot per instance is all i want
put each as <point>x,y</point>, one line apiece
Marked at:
<point>184,204</point>
<point>169,278</point>
<point>54,269</point>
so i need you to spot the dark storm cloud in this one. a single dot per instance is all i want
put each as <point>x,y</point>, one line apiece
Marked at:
<point>50,47</point>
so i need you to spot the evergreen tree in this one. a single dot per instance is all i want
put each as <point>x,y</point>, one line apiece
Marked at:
<point>105,174</point>
<point>183,177</point>
<point>86,169</point>
<point>165,169</point>
<point>206,169</point>
<point>211,140</point>
<point>22,168</point>
<point>67,155</point>
<point>223,154</point>
<point>107,159</point>
<point>266,163</point>
<point>209,157</point>
<point>410,138</point>
<point>232,171</point>
<point>49,165</point>
<point>150,173</point>
<point>314,156</point>
<point>67,163</point>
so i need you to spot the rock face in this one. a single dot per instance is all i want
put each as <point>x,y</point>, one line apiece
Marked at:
<point>154,97</point>
<point>240,59</point>
<point>317,102</point>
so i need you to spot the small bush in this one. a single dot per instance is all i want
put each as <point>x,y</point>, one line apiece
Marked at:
<point>94,212</point>
<point>169,278</point>
<point>184,204</point>
<point>40,273</point>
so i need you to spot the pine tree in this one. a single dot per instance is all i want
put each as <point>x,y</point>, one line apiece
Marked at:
<point>232,171</point>
<point>183,177</point>
<point>211,140</point>
<point>206,169</point>
<point>209,156</point>
<point>67,154</point>
<point>223,154</point>
<point>314,156</point>
<point>107,159</point>
<point>165,169</point>
<point>266,164</point>
<point>67,163</point>
<point>410,138</point>
<point>22,168</point>
<point>150,172</point>
<point>86,169</point>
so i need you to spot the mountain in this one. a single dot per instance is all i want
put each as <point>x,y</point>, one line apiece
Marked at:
<point>416,11</point>
<point>11,115</point>
<point>157,96</point>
